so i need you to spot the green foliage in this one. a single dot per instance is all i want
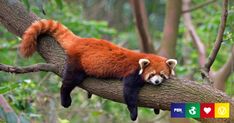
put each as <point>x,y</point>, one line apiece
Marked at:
<point>35,96</point>
<point>71,16</point>
<point>206,21</point>
<point>59,3</point>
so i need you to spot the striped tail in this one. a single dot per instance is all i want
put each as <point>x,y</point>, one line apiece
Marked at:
<point>51,27</point>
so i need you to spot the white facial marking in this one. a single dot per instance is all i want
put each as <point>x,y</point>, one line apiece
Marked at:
<point>143,63</point>
<point>156,79</point>
<point>164,75</point>
<point>141,71</point>
<point>172,72</point>
<point>171,63</point>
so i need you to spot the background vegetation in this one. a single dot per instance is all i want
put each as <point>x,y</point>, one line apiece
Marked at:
<point>35,96</point>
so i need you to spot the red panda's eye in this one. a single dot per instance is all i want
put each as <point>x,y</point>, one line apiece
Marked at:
<point>163,76</point>
<point>151,75</point>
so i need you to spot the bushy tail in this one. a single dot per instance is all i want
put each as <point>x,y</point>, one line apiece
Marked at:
<point>51,27</point>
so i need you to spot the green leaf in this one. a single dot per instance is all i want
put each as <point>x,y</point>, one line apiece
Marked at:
<point>27,4</point>
<point>97,113</point>
<point>63,120</point>
<point>4,89</point>
<point>59,3</point>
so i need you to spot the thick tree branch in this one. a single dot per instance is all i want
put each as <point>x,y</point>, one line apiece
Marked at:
<point>192,32</point>
<point>174,90</point>
<point>33,68</point>
<point>138,8</point>
<point>218,41</point>
<point>186,10</point>
<point>150,96</point>
<point>170,30</point>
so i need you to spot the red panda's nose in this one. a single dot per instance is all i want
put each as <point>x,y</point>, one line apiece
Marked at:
<point>156,82</point>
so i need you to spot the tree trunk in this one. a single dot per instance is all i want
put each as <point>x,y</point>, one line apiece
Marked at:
<point>170,31</point>
<point>15,18</point>
<point>138,8</point>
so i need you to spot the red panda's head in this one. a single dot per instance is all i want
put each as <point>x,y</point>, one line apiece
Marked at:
<point>155,71</point>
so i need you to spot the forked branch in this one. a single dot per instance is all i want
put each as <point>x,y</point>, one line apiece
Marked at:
<point>186,10</point>
<point>219,39</point>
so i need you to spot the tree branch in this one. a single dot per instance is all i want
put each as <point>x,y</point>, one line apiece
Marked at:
<point>33,68</point>
<point>186,10</point>
<point>150,96</point>
<point>220,77</point>
<point>138,8</point>
<point>162,96</point>
<point>170,30</point>
<point>219,39</point>
<point>196,39</point>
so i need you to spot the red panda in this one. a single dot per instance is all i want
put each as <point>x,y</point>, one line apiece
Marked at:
<point>99,58</point>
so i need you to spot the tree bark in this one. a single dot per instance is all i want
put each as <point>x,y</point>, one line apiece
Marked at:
<point>138,8</point>
<point>193,34</point>
<point>170,31</point>
<point>217,45</point>
<point>173,90</point>
<point>220,77</point>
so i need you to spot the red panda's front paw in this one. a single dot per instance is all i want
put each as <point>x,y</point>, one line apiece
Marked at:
<point>133,112</point>
<point>65,92</point>
<point>66,101</point>
<point>156,111</point>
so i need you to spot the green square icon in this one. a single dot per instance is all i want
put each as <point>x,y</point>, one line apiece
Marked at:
<point>192,110</point>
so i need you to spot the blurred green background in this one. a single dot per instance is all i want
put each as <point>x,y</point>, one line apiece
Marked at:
<point>35,96</point>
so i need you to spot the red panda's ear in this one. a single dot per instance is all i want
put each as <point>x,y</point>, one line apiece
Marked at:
<point>143,63</point>
<point>171,63</point>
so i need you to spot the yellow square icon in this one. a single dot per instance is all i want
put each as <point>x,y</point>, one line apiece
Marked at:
<point>222,110</point>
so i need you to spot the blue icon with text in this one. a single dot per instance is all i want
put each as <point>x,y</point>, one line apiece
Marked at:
<point>177,110</point>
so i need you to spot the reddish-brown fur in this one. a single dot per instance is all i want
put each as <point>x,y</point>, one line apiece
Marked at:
<point>97,57</point>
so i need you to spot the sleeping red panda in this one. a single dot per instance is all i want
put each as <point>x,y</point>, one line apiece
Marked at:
<point>99,58</point>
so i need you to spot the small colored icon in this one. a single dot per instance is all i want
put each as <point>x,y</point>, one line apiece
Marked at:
<point>207,110</point>
<point>177,110</point>
<point>192,110</point>
<point>200,110</point>
<point>222,110</point>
